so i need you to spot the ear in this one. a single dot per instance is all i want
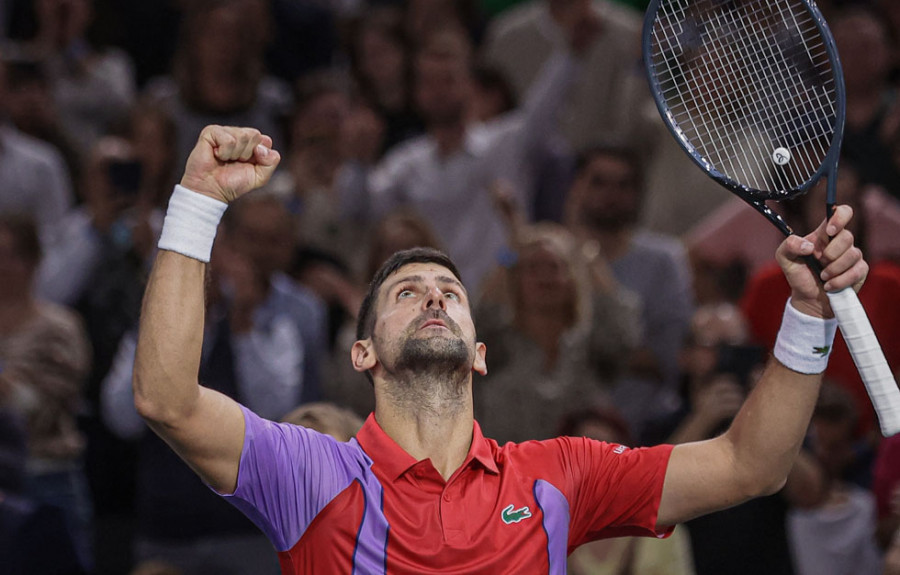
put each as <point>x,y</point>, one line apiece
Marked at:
<point>363,355</point>
<point>480,365</point>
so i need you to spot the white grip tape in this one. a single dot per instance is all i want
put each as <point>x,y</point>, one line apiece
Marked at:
<point>190,225</point>
<point>868,357</point>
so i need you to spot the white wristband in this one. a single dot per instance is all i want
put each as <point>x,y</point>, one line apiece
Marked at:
<point>190,225</point>
<point>804,342</point>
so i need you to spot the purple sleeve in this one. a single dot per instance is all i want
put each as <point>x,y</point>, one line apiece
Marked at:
<point>288,474</point>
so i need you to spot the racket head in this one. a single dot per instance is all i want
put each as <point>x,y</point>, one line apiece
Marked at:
<point>738,82</point>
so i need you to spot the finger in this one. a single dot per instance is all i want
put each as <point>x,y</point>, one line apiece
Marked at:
<point>831,227</point>
<point>838,245</point>
<point>265,156</point>
<point>223,141</point>
<point>854,276</point>
<point>847,260</point>
<point>793,248</point>
<point>247,142</point>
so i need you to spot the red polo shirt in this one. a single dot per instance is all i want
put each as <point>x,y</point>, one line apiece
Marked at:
<point>367,506</point>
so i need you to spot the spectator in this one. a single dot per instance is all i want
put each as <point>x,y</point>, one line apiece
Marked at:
<point>445,174</point>
<point>836,537</point>
<point>93,88</point>
<point>28,529</point>
<point>45,357</point>
<point>31,109</point>
<point>559,344</point>
<point>719,368</point>
<point>602,208</point>
<point>323,124</point>
<point>626,555</point>
<point>35,179</point>
<point>260,230</point>
<point>262,364</point>
<point>608,101</point>
<point>873,111</point>
<point>381,58</point>
<point>218,74</point>
<point>886,486</point>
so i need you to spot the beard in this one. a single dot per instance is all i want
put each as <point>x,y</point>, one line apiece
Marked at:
<point>430,371</point>
<point>433,356</point>
<point>609,220</point>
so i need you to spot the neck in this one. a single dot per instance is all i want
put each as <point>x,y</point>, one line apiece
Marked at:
<point>449,137</point>
<point>615,242</point>
<point>545,328</point>
<point>429,420</point>
<point>15,311</point>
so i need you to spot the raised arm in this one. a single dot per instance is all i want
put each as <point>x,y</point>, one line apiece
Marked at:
<point>756,454</point>
<point>204,427</point>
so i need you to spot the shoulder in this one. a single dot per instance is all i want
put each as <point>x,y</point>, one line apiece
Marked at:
<point>516,19</point>
<point>618,19</point>
<point>660,247</point>
<point>26,148</point>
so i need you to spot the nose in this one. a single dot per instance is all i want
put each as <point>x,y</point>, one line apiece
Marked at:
<point>434,298</point>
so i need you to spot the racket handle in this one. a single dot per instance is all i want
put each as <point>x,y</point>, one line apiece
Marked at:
<point>868,357</point>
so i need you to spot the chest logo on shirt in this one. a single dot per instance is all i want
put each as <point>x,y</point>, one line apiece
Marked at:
<point>512,515</point>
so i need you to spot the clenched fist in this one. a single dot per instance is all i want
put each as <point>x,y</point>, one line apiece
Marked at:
<point>228,162</point>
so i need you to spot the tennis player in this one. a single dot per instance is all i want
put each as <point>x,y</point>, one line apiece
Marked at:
<point>420,490</point>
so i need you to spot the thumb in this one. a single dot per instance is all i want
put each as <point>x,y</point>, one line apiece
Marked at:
<point>265,160</point>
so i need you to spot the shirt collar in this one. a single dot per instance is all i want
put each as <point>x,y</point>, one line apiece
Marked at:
<point>394,461</point>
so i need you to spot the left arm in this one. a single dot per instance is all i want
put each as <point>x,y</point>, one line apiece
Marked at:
<point>756,454</point>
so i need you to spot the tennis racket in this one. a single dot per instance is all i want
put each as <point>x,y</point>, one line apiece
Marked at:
<point>753,92</point>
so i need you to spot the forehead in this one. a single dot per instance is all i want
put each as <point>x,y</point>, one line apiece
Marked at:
<point>424,270</point>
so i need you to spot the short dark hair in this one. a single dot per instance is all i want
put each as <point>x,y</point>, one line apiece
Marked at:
<point>365,322</point>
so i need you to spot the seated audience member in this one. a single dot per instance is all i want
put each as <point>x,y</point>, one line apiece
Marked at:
<point>561,341</point>
<point>249,353</point>
<point>446,174</point>
<point>863,38</point>
<point>218,74</point>
<point>45,356</point>
<point>718,369</point>
<point>608,102</point>
<point>837,536</point>
<point>125,182</point>
<point>381,59</point>
<point>624,555</point>
<point>602,209</point>
<point>31,109</point>
<point>93,88</point>
<point>324,123</point>
<point>765,292</point>
<point>328,418</point>
<point>28,529</point>
<point>36,181</point>
<point>261,231</point>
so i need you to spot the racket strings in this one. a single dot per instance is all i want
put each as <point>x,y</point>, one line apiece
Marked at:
<point>743,79</point>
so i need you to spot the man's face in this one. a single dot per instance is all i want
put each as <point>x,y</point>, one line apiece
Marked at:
<point>424,324</point>
<point>263,235</point>
<point>442,89</point>
<point>607,193</point>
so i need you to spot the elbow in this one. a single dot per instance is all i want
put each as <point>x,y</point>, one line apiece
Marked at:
<point>773,487</point>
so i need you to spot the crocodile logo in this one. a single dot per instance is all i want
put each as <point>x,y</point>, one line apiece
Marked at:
<point>822,351</point>
<point>512,515</point>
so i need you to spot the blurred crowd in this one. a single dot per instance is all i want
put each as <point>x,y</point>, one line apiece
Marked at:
<point>621,293</point>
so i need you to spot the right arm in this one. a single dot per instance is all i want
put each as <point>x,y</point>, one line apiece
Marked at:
<point>204,427</point>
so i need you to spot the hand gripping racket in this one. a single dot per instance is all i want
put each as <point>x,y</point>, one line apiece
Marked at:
<point>753,92</point>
